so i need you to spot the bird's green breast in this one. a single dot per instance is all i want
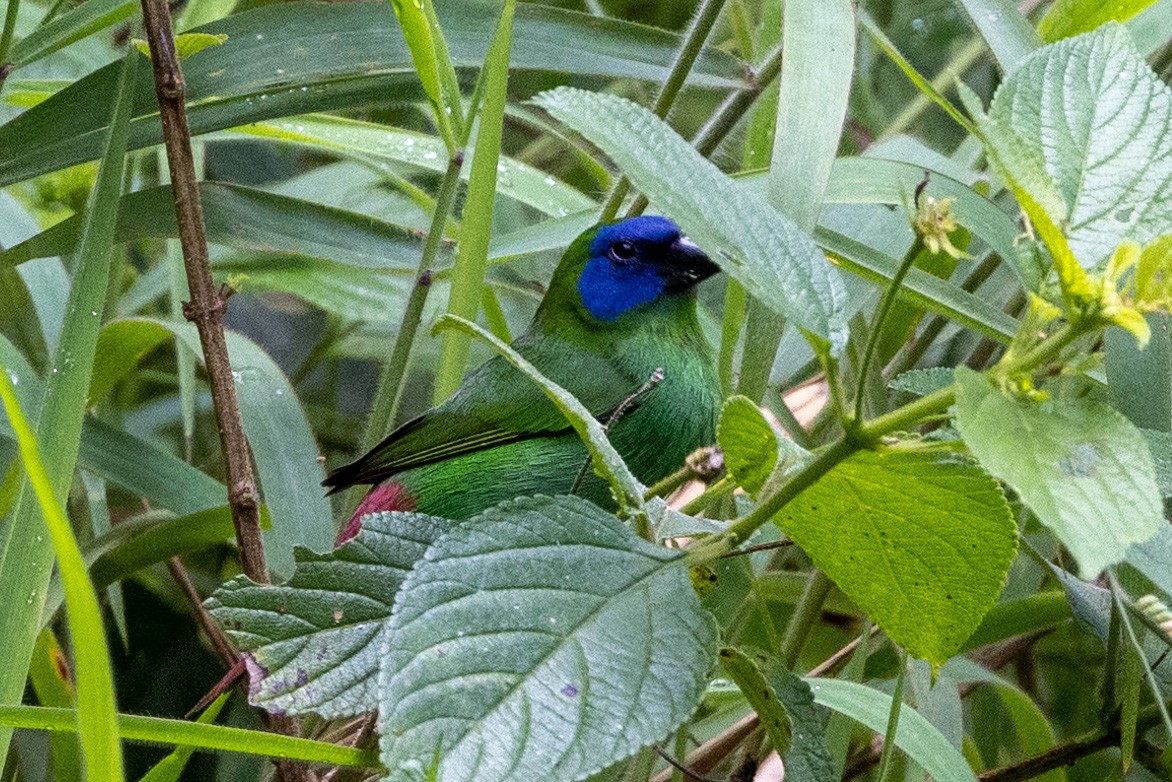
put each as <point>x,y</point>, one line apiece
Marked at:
<point>661,428</point>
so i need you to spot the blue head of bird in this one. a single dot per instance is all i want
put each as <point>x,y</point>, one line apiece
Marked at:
<point>635,262</point>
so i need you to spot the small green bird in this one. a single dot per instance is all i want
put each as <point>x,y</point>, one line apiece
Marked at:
<point>621,305</point>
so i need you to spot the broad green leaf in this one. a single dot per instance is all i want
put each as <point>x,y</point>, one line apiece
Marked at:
<point>121,345</point>
<point>382,146</point>
<point>1160,447</point>
<point>465,293</point>
<point>922,382</point>
<point>1033,730</point>
<point>1086,474</point>
<point>26,553</point>
<point>931,539</point>
<point>785,706</point>
<point>759,247</point>
<point>313,644</point>
<point>1153,558</point>
<point>923,743</point>
<point>282,446</point>
<point>157,730</point>
<point>85,19</point>
<point>1139,382</point>
<point>1006,29</point>
<point>919,287</point>
<point>1017,617</point>
<point>541,640</point>
<point>247,219</point>
<point>1081,125</point>
<point>748,441</point>
<point>1073,17</point>
<point>327,56</point>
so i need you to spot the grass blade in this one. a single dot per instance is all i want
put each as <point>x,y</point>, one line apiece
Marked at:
<point>26,557</point>
<point>476,226</point>
<point>96,712</point>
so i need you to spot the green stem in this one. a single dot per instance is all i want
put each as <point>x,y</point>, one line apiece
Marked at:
<point>893,722</point>
<point>394,375</point>
<point>877,327</point>
<point>866,435</point>
<point>713,492</point>
<point>1149,674</point>
<point>730,332</point>
<point>694,39</point>
<point>806,613</point>
<point>6,39</point>
<point>727,116</point>
<point>665,486</point>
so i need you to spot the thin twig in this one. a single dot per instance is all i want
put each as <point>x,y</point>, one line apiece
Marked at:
<point>394,374</point>
<point>208,305</point>
<point>6,39</point>
<point>206,310</point>
<point>224,649</point>
<point>687,772</point>
<point>694,39</point>
<point>655,379</point>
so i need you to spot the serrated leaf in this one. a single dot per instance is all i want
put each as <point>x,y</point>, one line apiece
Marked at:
<point>1086,472</point>
<point>922,382</point>
<point>919,543</point>
<point>314,643</point>
<point>785,705</point>
<point>758,246</point>
<point>748,442</point>
<point>1082,125</point>
<point>540,640</point>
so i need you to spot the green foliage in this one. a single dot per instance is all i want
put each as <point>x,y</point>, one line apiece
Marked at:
<point>919,540</point>
<point>553,641</point>
<point>1019,389</point>
<point>1087,473</point>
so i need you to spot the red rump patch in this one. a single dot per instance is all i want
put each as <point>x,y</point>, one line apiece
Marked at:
<point>384,497</point>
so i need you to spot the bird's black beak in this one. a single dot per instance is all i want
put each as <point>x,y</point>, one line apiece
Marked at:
<point>689,264</point>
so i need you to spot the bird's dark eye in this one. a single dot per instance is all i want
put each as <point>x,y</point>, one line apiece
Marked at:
<point>622,251</point>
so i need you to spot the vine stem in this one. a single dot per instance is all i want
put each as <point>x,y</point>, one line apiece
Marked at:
<point>877,327</point>
<point>694,39</point>
<point>893,721</point>
<point>726,117</point>
<point>394,375</point>
<point>866,435</point>
<point>206,310</point>
<point>6,39</point>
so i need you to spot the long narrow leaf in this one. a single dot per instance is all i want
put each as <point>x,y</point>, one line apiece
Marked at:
<point>321,57</point>
<point>84,20</point>
<point>156,730</point>
<point>1008,33</point>
<point>26,557</point>
<point>476,226</point>
<point>96,712</point>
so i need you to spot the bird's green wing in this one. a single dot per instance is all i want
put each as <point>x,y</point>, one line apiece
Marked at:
<point>496,405</point>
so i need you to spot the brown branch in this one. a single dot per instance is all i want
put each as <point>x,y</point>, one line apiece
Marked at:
<point>207,306</point>
<point>206,310</point>
<point>226,652</point>
<point>1051,759</point>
